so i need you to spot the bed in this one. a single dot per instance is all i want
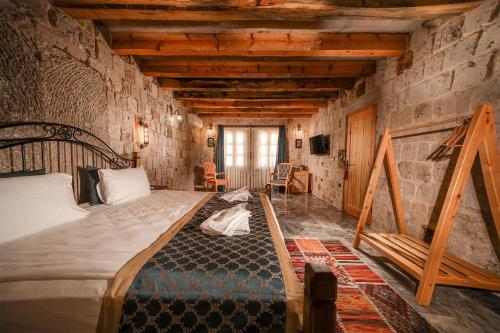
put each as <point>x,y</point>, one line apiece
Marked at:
<point>144,265</point>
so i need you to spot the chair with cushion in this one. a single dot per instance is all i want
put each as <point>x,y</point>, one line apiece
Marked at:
<point>213,178</point>
<point>282,176</point>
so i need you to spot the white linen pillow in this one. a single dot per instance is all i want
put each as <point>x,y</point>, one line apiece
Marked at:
<point>35,203</point>
<point>119,186</point>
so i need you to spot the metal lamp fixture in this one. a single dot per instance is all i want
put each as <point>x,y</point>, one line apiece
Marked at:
<point>175,114</point>
<point>210,129</point>
<point>144,134</point>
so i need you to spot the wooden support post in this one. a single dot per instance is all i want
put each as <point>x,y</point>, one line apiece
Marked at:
<point>457,184</point>
<point>490,165</point>
<point>392,174</point>
<point>367,203</point>
<point>320,294</point>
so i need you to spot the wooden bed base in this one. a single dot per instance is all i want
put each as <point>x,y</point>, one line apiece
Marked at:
<point>313,306</point>
<point>429,263</point>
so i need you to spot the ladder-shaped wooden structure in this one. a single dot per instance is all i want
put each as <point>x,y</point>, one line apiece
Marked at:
<point>429,263</point>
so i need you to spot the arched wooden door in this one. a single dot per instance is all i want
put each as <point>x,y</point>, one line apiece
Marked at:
<point>360,150</point>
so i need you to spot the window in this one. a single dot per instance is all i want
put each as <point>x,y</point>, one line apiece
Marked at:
<point>234,149</point>
<point>267,148</point>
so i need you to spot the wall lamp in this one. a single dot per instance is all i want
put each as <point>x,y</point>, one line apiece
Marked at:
<point>210,130</point>
<point>174,114</point>
<point>299,131</point>
<point>143,134</point>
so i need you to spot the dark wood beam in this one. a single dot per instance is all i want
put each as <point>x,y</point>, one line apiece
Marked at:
<point>256,115</point>
<point>260,44</point>
<point>322,84</point>
<point>257,69</point>
<point>283,104</point>
<point>299,10</point>
<point>255,110</point>
<point>255,95</point>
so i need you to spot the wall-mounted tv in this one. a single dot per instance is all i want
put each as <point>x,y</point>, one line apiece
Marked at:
<point>319,145</point>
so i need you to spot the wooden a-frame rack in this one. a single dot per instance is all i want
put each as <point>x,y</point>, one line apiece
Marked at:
<point>429,263</point>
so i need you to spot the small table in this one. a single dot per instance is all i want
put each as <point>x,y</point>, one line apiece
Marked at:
<point>300,181</point>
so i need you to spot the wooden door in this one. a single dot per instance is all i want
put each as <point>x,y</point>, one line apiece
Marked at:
<point>360,150</point>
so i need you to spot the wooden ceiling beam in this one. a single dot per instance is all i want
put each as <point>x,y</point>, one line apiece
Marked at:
<point>254,110</point>
<point>298,10</point>
<point>284,104</point>
<point>260,44</point>
<point>256,115</point>
<point>253,95</point>
<point>258,69</point>
<point>322,84</point>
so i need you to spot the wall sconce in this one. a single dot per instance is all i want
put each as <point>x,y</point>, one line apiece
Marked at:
<point>210,130</point>
<point>175,114</point>
<point>299,132</point>
<point>143,134</point>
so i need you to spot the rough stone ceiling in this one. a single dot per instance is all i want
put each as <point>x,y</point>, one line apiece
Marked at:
<point>245,57</point>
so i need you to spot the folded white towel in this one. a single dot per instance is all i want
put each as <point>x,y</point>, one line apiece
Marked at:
<point>228,222</point>
<point>239,195</point>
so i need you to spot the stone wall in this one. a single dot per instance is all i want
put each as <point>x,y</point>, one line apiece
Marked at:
<point>455,68</point>
<point>55,68</point>
<point>202,153</point>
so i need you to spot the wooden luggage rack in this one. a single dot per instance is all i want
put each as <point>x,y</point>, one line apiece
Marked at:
<point>429,263</point>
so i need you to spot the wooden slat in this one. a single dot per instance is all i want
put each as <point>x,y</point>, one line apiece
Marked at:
<point>372,184</point>
<point>257,115</point>
<point>453,261</point>
<point>297,10</point>
<point>260,110</point>
<point>397,258</point>
<point>490,165</point>
<point>285,104</point>
<point>258,69</point>
<point>256,95</point>
<point>260,44</point>
<point>321,84</point>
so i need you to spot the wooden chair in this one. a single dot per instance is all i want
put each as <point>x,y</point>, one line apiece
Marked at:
<point>282,176</point>
<point>211,177</point>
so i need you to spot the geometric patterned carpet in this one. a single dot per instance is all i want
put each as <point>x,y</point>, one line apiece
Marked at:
<point>365,302</point>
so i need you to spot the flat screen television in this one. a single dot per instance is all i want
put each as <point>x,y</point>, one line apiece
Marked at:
<point>319,145</point>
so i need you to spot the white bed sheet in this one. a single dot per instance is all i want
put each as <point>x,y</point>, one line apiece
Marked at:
<point>53,281</point>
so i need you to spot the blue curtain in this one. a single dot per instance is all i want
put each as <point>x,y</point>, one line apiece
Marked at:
<point>281,155</point>
<point>219,153</point>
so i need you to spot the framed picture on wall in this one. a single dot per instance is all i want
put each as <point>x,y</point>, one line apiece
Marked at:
<point>298,143</point>
<point>211,142</point>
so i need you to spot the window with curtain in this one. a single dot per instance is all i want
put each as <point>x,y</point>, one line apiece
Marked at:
<point>267,148</point>
<point>234,150</point>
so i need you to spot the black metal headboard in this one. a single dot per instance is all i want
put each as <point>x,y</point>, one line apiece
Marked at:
<point>57,148</point>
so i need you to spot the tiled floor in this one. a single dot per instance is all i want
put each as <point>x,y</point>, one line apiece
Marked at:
<point>452,309</point>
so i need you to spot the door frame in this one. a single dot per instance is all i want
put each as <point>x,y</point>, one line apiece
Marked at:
<point>372,107</point>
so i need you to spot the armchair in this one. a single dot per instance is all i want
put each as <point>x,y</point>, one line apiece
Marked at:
<point>211,177</point>
<point>282,176</point>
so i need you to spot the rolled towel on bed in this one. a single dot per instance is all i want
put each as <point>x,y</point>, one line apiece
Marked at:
<point>239,195</point>
<point>228,222</point>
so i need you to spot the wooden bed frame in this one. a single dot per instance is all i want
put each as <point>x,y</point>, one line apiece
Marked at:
<point>429,263</point>
<point>26,146</point>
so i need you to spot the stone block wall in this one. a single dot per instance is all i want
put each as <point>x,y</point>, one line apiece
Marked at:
<point>202,153</point>
<point>455,68</point>
<point>55,68</point>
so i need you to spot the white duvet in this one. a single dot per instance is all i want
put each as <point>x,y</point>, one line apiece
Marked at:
<point>53,281</point>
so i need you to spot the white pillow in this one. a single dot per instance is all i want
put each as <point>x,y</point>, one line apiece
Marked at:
<point>34,203</point>
<point>119,186</point>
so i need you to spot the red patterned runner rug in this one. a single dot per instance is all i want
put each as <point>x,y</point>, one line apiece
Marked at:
<point>365,302</point>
